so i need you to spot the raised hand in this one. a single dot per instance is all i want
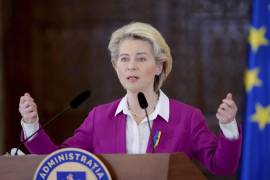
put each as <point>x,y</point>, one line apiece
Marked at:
<point>28,109</point>
<point>227,110</point>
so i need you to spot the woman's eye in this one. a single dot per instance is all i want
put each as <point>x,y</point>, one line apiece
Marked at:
<point>141,59</point>
<point>124,59</point>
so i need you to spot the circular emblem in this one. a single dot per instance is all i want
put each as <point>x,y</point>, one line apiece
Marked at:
<point>71,164</point>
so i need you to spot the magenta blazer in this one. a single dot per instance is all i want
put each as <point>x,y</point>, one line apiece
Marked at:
<point>186,131</point>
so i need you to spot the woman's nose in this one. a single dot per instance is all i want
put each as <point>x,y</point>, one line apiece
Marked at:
<point>132,65</point>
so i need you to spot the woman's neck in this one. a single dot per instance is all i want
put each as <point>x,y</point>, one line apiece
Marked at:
<point>134,106</point>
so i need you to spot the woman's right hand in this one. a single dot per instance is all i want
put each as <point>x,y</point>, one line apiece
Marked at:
<point>28,109</point>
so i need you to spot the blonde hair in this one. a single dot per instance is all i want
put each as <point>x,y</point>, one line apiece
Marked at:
<point>146,32</point>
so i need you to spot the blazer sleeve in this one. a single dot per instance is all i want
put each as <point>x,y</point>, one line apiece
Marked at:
<point>217,153</point>
<point>82,138</point>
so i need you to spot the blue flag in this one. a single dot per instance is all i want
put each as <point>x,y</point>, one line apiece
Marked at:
<point>255,164</point>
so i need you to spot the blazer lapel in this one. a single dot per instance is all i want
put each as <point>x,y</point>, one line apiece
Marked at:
<point>120,133</point>
<point>159,126</point>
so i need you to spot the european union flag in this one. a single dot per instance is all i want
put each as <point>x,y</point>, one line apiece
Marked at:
<point>256,146</point>
<point>71,175</point>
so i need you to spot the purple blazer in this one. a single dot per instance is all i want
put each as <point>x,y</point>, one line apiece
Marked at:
<point>186,131</point>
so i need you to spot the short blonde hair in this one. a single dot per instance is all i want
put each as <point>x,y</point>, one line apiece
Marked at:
<point>143,31</point>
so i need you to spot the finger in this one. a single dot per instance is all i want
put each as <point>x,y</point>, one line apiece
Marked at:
<point>22,99</point>
<point>30,109</point>
<point>26,95</point>
<point>25,112</point>
<point>30,116</point>
<point>231,103</point>
<point>25,100</point>
<point>224,113</point>
<point>228,113</point>
<point>224,106</point>
<point>27,107</point>
<point>220,118</point>
<point>28,98</point>
<point>227,109</point>
<point>27,104</point>
<point>229,96</point>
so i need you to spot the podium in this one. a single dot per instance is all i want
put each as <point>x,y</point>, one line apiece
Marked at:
<point>121,166</point>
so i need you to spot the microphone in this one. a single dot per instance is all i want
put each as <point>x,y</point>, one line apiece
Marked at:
<point>143,104</point>
<point>76,102</point>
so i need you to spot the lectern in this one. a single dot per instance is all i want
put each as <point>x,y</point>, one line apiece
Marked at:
<point>121,166</point>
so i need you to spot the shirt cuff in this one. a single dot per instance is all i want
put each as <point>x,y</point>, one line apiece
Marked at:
<point>230,130</point>
<point>29,129</point>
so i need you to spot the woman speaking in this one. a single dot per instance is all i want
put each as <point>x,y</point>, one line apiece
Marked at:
<point>142,60</point>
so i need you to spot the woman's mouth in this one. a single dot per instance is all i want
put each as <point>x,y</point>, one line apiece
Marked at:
<point>132,78</point>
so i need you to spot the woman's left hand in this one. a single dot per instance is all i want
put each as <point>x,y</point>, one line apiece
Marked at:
<point>227,110</point>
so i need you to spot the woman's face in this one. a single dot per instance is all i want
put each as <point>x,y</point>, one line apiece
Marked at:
<point>136,67</point>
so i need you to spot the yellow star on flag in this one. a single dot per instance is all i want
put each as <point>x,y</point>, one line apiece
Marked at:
<point>252,79</point>
<point>257,38</point>
<point>262,116</point>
